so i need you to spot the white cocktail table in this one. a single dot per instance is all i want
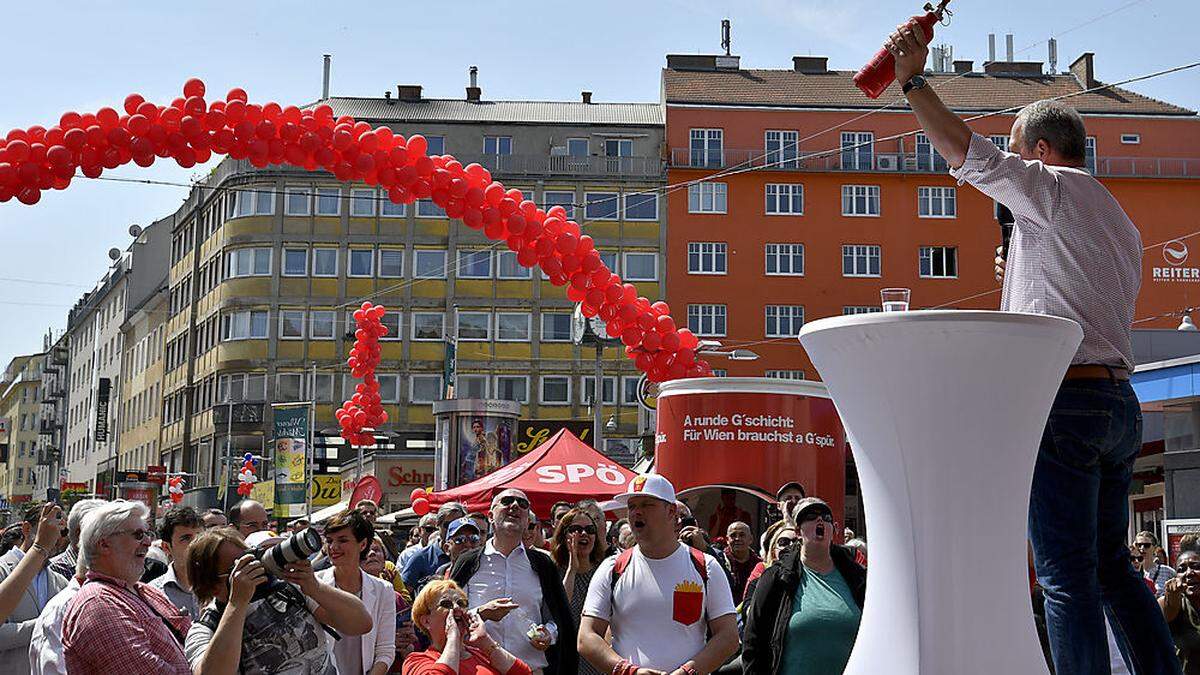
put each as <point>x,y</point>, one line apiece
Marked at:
<point>945,411</point>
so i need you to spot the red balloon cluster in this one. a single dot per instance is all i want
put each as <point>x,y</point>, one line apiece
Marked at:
<point>419,500</point>
<point>365,408</point>
<point>191,130</point>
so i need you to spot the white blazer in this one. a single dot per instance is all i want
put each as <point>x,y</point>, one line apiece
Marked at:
<point>378,596</point>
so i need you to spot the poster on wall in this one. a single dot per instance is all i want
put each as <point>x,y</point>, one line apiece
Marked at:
<point>485,444</point>
<point>1174,530</point>
<point>291,453</point>
<point>532,433</point>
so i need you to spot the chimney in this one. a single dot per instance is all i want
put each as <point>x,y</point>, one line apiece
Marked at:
<point>325,78</point>
<point>1053,46</point>
<point>408,92</point>
<point>1083,70</point>
<point>963,66</point>
<point>938,58</point>
<point>1008,44</point>
<point>810,64</point>
<point>473,91</point>
<point>587,96</point>
<point>726,36</point>
<point>387,96</point>
<point>991,47</point>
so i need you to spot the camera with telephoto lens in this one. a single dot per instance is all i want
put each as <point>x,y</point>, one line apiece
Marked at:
<point>297,546</point>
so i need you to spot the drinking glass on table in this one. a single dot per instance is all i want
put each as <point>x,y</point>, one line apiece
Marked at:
<point>895,299</point>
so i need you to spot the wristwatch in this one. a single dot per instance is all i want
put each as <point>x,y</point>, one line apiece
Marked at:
<point>914,83</point>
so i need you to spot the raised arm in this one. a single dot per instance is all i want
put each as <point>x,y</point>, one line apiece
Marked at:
<point>948,134</point>
<point>12,588</point>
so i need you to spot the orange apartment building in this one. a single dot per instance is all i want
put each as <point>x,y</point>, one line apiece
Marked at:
<point>820,231</point>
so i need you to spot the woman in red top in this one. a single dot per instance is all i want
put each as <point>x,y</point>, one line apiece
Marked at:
<point>460,644</point>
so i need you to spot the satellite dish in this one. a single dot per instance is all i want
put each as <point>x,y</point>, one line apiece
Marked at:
<point>135,230</point>
<point>114,254</point>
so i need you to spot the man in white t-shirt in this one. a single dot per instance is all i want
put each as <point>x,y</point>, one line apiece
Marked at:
<point>660,598</point>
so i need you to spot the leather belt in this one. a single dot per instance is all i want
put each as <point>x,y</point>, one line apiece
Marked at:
<point>1088,371</point>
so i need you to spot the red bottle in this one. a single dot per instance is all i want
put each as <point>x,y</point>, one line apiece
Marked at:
<point>881,70</point>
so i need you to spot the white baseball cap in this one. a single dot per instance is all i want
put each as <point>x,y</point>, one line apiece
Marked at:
<point>647,485</point>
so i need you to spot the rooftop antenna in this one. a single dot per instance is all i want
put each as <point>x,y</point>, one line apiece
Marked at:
<point>1053,56</point>
<point>726,41</point>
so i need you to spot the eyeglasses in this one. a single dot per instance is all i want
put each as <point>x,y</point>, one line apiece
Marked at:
<point>449,604</point>
<point>784,542</point>
<point>816,515</point>
<point>1187,567</point>
<point>429,528</point>
<point>1143,544</point>
<point>576,529</point>
<point>465,539</point>
<point>139,535</point>
<point>509,500</point>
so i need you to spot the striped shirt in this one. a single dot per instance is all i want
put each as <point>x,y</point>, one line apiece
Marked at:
<point>1160,576</point>
<point>1074,252</point>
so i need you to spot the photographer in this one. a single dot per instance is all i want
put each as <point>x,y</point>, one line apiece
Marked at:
<point>283,632</point>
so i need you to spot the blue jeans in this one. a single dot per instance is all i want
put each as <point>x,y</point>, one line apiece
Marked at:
<point>1078,522</point>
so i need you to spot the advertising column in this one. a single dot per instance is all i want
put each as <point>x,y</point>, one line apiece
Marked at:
<point>291,455</point>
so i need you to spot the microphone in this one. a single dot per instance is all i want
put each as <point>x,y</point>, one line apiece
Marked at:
<point>1006,218</point>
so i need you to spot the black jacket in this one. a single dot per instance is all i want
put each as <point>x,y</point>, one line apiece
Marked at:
<point>563,656</point>
<point>771,606</point>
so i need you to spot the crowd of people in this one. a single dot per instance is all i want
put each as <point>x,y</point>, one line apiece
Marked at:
<point>101,589</point>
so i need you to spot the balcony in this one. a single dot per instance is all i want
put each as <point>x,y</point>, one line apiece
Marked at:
<point>907,162</point>
<point>567,165</point>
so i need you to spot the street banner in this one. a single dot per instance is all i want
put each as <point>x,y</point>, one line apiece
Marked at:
<point>326,490</point>
<point>291,452</point>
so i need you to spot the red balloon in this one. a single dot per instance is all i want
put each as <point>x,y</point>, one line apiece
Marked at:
<point>132,102</point>
<point>237,94</point>
<point>651,341</point>
<point>631,336</point>
<point>417,493</point>
<point>670,342</point>
<point>421,506</point>
<point>687,339</point>
<point>665,325</point>
<point>575,295</point>
<point>566,243</point>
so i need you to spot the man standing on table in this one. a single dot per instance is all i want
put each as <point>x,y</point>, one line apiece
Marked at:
<point>1074,254</point>
<point>661,598</point>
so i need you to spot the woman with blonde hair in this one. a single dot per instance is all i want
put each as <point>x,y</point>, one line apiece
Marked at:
<point>459,642</point>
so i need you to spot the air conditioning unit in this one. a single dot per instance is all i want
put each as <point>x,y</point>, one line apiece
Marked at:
<point>887,162</point>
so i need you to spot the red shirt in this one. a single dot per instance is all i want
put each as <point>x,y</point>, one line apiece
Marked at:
<point>425,663</point>
<point>111,626</point>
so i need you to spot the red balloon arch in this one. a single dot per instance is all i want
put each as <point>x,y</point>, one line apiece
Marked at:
<point>191,130</point>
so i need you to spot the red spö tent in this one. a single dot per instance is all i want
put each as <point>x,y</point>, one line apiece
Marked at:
<point>563,468</point>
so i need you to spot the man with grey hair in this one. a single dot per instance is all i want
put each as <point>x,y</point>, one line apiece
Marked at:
<point>115,624</point>
<point>1074,253</point>
<point>432,556</point>
<point>64,563</point>
<point>15,632</point>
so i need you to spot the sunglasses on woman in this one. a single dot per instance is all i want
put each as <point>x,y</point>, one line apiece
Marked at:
<point>452,603</point>
<point>784,542</point>
<point>577,529</point>
<point>816,515</point>
<point>509,500</point>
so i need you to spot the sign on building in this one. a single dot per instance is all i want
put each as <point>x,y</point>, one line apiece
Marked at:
<point>102,394</point>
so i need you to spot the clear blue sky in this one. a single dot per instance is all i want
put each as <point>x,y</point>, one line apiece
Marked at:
<point>75,56</point>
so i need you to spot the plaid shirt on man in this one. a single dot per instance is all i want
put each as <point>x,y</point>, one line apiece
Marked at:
<point>112,626</point>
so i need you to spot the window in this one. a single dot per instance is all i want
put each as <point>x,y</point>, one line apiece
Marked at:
<point>1089,153</point>
<point>427,209</point>
<point>851,310</point>
<point>782,149</point>
<point>362,202</point>
<point>608,395</point>
<point>559,198</point>
<point>720,372</point>
<point>297,201</point>
<point>785,259</point>
<point>295,262</point>
<point>238,387</point>
<point>361,262</point>
<point>322,387</point>
<point>556,327</point>
<point>512,388</point>
<point>391,320</point>
<point>255,201</point>
<point>474,264</point>
<point>244,325</point>
<point>427,326</point>
<point>325,262</point>
<point>436,145</point>
<point>640,266</point>
<point>471,386</point>
<point>928,158</point>
<point>1131,139</point>
<point>858,150</point>
<point>329,201</point>
<point>785,374</point>
<point>609,258</point>
<point>641,206</point>
<point>429,264</point>
<point>707,257</point>
<point>936,202</point>
<point>706,147</point>
<point>629,389</point>
<point>474,326</point>
<point>1000,142</point>
<point>939,262</point>
<point>248,262</point>
<point>512,326</point>
<point>291,324</point>
<point>618,147</point>
<point>577,147</point>
<point>707,320</point>
<point>287,386</point>
<point>556,389</point>
<point>784,320</point>
<point>860,260</point>
<point>601,205</point>
<point>389,388</point>
<point>707,197</point>
<point>497,145</point>
<point>425,388</point>
<point>785,199</point>
<point>507,267</point>
<point>860,200</point>
<point>321,324</point>
<point>391,262</point>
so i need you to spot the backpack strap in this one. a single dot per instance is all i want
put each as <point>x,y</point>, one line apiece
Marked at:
<point>619,566</point>
<point>701,566</point>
